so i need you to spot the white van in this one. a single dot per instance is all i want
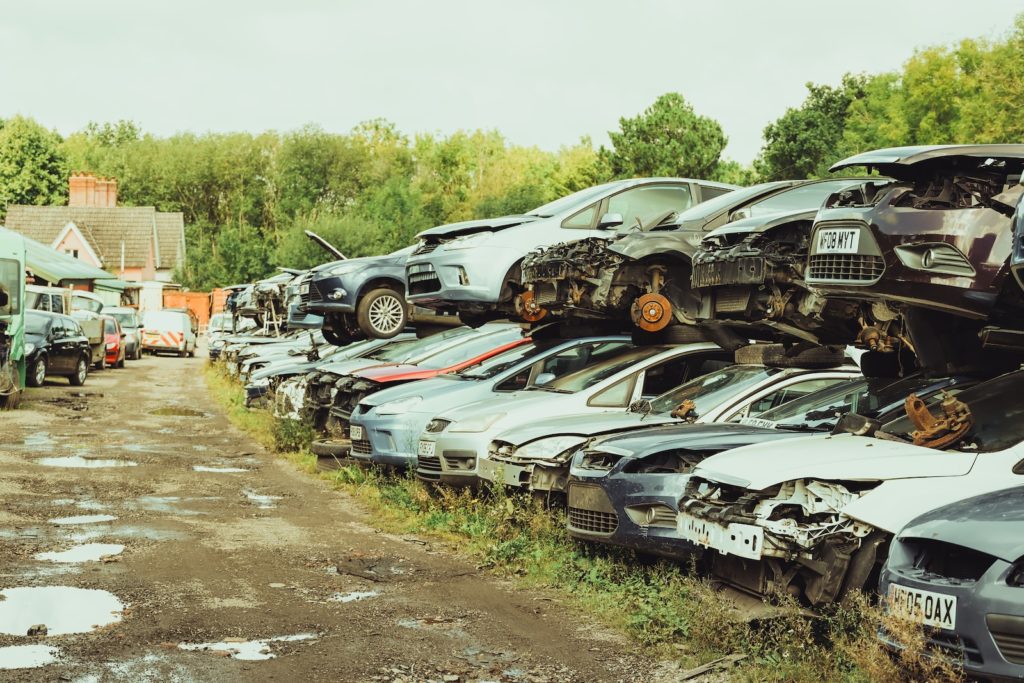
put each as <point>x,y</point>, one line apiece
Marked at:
<point>172,331</point>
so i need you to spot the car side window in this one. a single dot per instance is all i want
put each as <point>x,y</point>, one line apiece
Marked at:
<point>518,381</point>
<point>710,192</point>
<point>785,394</point>
<point>583,219</point>
<point>615,396</point>
<point>644,205</point>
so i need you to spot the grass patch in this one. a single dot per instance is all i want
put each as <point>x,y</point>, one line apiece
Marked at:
<point>666,608</point>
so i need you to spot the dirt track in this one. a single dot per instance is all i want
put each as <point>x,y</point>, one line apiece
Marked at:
<point>206,559</point>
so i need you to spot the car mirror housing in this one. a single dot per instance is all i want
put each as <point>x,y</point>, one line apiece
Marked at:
<point>610,220</point>
<point>855,424</point>
<point>545,378</point>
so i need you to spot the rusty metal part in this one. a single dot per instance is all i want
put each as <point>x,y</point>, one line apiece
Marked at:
<point>938,432</point>
<point>687,410</point>
<point>651,312</point>
<point>874,339</point>
<point>527,307</point>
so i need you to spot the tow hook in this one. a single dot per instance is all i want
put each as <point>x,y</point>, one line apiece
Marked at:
<point>938,432</point>
<point>651,312</point>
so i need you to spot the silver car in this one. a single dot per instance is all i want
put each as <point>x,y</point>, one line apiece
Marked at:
<point>469,266</point>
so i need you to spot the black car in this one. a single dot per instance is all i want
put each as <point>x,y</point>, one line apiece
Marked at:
<point>55,345</point>
<point>625,489</point>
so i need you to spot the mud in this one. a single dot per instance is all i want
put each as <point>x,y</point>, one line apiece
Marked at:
<point>208,564</point>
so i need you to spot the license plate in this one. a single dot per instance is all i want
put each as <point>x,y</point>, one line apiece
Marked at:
<point>758,422</point>
<point>426,449</point>
<point>355,433</point>
<point>925,607</point>
<point>304,288</point>
<point>742,540</point>
<point>838,241</point>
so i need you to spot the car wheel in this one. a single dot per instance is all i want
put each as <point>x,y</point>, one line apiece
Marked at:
<point>81,372</point>
<point>101,364</point>
<point>381,313</point>
<point>120,363</point>
<point>36,375</point>
<point>192,352</point>
<point>329,448</point>
<point>778,356</point>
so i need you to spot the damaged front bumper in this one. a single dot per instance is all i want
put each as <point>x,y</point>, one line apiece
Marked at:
<point>578,276</point>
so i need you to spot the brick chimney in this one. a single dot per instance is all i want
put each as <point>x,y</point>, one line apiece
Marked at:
<point>85,189</point>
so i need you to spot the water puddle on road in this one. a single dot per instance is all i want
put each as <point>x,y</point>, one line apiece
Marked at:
<point>261,501</point>
<point>62,609</point>
<point>89,552</point>
<point>205,468</point>
<point>39,439</point>
<point>83,519</point>
<point>248,650</point>
<point>354,596</point>
<point>79,461</point>
<point>27,656</point>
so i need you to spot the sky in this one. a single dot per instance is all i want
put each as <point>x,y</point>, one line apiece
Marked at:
<point>542,72</point>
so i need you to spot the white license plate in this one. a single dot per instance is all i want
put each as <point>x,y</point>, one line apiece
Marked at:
<point>304,288</point>
<point>742,540</point>
<point>355,433</point>
<point>925,607</point>
<point>758,422</point>
<point>838,241</point>
<point>426,449</point>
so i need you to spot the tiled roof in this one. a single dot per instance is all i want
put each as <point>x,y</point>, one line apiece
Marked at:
<point>106,229</point>
<point>170,236</point>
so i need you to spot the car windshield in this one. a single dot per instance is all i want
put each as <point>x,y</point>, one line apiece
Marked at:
<point>572,201</point>
<point>821,410</point>
<point>127,319</point>
<point>36,324</point>
<point>800,198</point>
<point>998,409</point>
<point>701,212</point>
<point>490,367</point>
<point>460,352</point>
<point>708,391</point>
<point>619,360</point>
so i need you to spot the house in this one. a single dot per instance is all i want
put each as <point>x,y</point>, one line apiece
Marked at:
<point>136,243</point>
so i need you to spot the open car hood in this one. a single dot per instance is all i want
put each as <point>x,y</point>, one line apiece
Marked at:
<point>756,224</point>
<point>843,457</point>
<point>480,225</point>
<point>906,162</point>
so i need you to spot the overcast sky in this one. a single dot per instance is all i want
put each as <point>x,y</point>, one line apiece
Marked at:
<point>543,72</point>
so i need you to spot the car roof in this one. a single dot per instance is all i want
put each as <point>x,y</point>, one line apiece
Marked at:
<point>908,156</point>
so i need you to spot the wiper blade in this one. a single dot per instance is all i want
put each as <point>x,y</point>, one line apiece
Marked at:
<point>801,427</point>
<point>537,387</point>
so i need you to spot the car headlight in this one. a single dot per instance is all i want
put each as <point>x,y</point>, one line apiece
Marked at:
<point>549,447</point>
<point>469,241</point>
<point>398,406</point>
<point>343,268</point>
<point>29,348</point>
<point>477,424</point>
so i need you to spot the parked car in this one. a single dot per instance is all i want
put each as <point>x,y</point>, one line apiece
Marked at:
<point>536,455</point>
<point>454,443</point>
<point>113,338</point>
<point>55,346</point>
<point>932,245</point>
<point>959,571</point>
<point>474,267</point>
<point>385,426</point>
<point>53,299</point>
<point>814,516</point>
<point>168,331</point>
<point>625,486</point>
<point>131,325</point>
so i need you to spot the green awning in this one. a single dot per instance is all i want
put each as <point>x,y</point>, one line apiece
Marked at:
<point>113,285</point>
<point>53,266</point>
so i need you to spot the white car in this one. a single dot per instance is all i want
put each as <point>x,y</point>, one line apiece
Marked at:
<point>813,516</point>
<point>536,454</point>
<point>454,442</point>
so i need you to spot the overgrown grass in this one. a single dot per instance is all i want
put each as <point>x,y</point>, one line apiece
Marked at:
<point>664,607</point>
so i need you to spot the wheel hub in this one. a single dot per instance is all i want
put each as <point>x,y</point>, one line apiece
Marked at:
<point>652,312</point>
<point>527,307</point>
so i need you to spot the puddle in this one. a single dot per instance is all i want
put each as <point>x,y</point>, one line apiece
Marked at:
<point>89,505</point>
<point>178,411</point>
<point>90,552</point>
<point>354,596</point>
<point>248,650</point>
<point>27,656</point>
<point>261,501</point>
<point>147,533</point>
<point>40,439</point>
<point>79,461</point>
<point>83,519</point>
<point>61,608</point>
<point>204,468</point>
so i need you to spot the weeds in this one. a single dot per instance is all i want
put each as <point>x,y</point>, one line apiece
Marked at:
<point>665,607</point>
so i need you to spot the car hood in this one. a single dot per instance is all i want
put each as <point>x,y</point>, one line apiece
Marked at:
<point>480,225</point>
<point>843,457</point>
<point>905,162</point>
<point>366,261</point>
<point>713,437</point>
<point>587,424</point>
<point>526,402</point>
<point>397,371</point>
<point>443,393</point>
<point>757,224</point>
<point>292,368</point>
<point>991,523</point>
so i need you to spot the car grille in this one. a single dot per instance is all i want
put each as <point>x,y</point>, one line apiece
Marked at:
<point>362,447</point>
<point>1008,632</point>
<point>425,248</point>
<point>845,268</point>
<point>593,521</point>
<point>429,467</point>
<point>424,283</point>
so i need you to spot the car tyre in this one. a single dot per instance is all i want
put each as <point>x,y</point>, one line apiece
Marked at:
<point>101,364</point>
<point>81,372</point>
<point>36,375</point>
<point>330,448</point>
<point>381,313</point>
<point>778,356</point>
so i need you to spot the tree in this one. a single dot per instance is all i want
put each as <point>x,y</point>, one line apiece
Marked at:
<point>33,169</point>
<point>805,141</point>
<point>667,139</point>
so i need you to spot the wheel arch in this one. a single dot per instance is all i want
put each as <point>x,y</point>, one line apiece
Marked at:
<point>377,282</point>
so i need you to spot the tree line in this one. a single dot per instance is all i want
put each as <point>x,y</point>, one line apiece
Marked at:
<point>247,198</point>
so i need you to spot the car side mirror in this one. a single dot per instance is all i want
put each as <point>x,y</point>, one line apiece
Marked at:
<point>641,406</point>
<point>545,378</point>
<point>610,220</point>
<point>739,214</point>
